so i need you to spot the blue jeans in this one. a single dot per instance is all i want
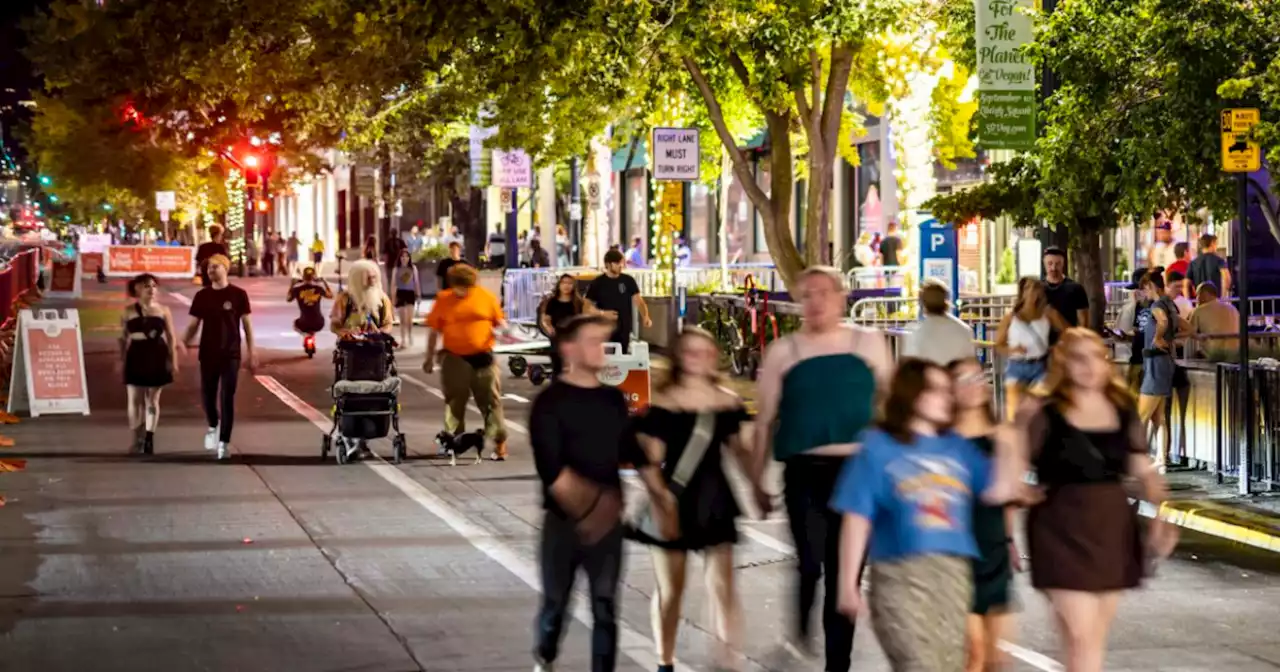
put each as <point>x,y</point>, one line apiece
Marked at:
<point>1024,371</point>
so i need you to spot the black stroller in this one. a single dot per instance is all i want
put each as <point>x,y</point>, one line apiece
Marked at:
<point>366,399</point>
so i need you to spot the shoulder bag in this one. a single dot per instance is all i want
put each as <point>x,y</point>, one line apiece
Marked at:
<point>646,523</point>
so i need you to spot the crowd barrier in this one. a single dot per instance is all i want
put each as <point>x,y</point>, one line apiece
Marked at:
<point>1263,463</point>
<point>18,276</point>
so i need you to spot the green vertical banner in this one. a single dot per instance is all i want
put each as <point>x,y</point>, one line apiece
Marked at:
<point>1006,77</point>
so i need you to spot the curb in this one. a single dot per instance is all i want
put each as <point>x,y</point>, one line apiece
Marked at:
<point>1219,520</point>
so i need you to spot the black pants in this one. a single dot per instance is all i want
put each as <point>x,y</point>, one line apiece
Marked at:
<point>623,337</point>
<point>557,361</point>
<point>218,385</point>
<point>808,483</point>
<point>269,264</point>
<point>561,556</point>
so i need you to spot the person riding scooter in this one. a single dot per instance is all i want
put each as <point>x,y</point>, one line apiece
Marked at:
<point>308,293</point>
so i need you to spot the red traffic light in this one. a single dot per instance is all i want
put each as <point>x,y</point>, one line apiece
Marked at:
<point>251,161</point>
<point>263,205</point>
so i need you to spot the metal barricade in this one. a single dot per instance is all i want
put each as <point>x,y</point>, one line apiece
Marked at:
<point>1264,460</point>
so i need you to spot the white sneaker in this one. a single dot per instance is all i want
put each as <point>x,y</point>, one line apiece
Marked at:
<point>224,451</point>
<point>211,439</point>
<point>540,666</point>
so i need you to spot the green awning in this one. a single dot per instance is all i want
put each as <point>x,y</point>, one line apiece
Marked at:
<point>640,160</point>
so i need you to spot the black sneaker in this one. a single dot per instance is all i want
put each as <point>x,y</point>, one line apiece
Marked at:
<point>149,443</point>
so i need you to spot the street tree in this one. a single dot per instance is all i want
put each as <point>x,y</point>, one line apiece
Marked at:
<point>1131,128</point>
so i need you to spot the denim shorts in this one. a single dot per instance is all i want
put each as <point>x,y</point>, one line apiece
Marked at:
<point>1157,376</point>
<point>1024,371</point>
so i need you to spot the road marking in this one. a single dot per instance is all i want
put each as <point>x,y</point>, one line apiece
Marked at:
<point>515,397</point>
<point>519,428</point>
<point>632,644</point>
<point>180,298</point>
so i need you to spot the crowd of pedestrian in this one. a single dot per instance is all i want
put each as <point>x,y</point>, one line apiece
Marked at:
<point>899,470</point>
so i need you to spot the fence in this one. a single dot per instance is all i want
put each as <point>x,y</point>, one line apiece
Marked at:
<point>1262,465</point>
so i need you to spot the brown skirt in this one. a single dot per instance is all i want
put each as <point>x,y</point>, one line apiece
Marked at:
<point>1085,537</point>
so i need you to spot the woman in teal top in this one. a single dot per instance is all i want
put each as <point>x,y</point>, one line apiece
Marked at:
<point>909,496</point>
<point>817,393</point>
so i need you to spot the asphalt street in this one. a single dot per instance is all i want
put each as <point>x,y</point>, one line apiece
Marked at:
<point>279,561</point>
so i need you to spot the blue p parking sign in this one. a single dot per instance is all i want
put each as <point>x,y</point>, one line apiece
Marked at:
<point>939,254</point>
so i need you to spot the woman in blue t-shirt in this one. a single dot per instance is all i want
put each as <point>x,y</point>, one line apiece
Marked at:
<point>909,496</point>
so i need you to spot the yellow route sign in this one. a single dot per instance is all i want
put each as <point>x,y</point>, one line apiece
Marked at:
<point>1240,154</point>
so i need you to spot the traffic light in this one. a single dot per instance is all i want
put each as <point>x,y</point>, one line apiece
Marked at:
<point>263,205</point>
<point>251,161</point>
<point>45,180</point>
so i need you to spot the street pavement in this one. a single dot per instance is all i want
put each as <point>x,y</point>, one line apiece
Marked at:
<point>278,561</point>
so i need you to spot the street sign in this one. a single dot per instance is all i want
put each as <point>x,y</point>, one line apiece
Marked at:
<point>166,201</point>
<point>366,181</point>
<point>593,194</point>
<point>1240,154</point>
<point>575,212</point>
<point>48,373</point>
<point>512,169</point>
<point>506,203</point>
<point>939,255</point>
<point>675,154</point>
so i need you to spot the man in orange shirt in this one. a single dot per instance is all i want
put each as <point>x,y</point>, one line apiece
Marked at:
<point>465,318</point>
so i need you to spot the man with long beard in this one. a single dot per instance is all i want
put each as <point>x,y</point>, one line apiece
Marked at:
<point>364,306</point>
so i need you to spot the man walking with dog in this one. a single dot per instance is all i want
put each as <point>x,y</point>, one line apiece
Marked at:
<point>578,430</point>
<point>464,319</point>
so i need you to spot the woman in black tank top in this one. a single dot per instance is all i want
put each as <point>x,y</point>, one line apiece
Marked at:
<point>149,358</point>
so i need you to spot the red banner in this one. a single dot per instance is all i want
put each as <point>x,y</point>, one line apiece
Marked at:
<point>161,261</point>
<point>62,277</point>
<point>90,262</point>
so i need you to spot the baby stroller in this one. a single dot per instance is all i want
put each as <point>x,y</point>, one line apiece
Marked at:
<point>366,398</point>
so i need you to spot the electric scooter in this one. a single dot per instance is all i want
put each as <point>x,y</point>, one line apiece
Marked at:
<point>309,344</point>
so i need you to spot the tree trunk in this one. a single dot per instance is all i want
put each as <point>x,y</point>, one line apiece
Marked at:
<point>1087,255</point>
<point>468,215</point>
<point>821,118</point>
<point>777,228</point>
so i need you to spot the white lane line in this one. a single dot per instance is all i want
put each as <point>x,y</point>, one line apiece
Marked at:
<point>511,424</point>
<point>180,298</point>
<point>632,644</point>
<point>515,397</point>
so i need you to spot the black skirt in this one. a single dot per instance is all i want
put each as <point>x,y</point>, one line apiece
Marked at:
<point>146,364</point>
<point>405,297</point>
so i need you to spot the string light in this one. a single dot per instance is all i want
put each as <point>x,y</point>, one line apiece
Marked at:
<point>235,214</point>
<point>666,225</point>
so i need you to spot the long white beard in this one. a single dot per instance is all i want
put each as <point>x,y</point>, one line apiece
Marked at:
<point>370,300</point>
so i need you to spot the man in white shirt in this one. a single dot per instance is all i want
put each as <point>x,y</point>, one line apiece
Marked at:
<point>939,337</point>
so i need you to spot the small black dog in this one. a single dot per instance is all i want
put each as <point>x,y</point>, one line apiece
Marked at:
<point>453,446</point>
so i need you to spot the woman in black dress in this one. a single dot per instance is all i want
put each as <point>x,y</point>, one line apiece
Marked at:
<point>558,306</point>
<point>1086,440</point>
<point>692,412</point>
<point>998,558</point>
<point>149,354</point>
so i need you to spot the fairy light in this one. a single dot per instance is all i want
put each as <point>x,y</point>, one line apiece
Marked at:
<point>665,225</point>
<point>235,214</point>
<point>205,213</point>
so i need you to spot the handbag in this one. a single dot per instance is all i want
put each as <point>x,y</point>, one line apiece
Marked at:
<point>646,522</point>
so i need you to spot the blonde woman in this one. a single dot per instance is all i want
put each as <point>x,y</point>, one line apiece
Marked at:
<point>691,420</point>
<point>1023,338</point>
<point>1086,441</point>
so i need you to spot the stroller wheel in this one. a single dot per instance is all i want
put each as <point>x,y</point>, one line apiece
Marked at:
<point>341,448</point>
<point>325,443</point>
<point>398,449</point>
<point>518,365</point>
<point>537,374</point>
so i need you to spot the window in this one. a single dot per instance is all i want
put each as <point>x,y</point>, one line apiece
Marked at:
<point>701,230</point>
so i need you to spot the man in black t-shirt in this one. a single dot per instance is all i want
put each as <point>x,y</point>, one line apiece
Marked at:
<point>1065,295</point>
<point>891,246</point>
<point>578,432</point>
<point>442,268</point>
<point>222,310</point>
<point>1208,266</point>
<point>614,293</point>
<point>308,293</point>
<point>207,250</point>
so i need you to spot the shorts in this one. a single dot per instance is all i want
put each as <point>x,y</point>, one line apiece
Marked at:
<point>317,256</point>
<point>311,325</point>
<point>1024,371</point>
<point>406,297</point>
<point>1157,375</point>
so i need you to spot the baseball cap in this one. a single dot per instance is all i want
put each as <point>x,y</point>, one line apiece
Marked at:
<point>1136,278</point>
